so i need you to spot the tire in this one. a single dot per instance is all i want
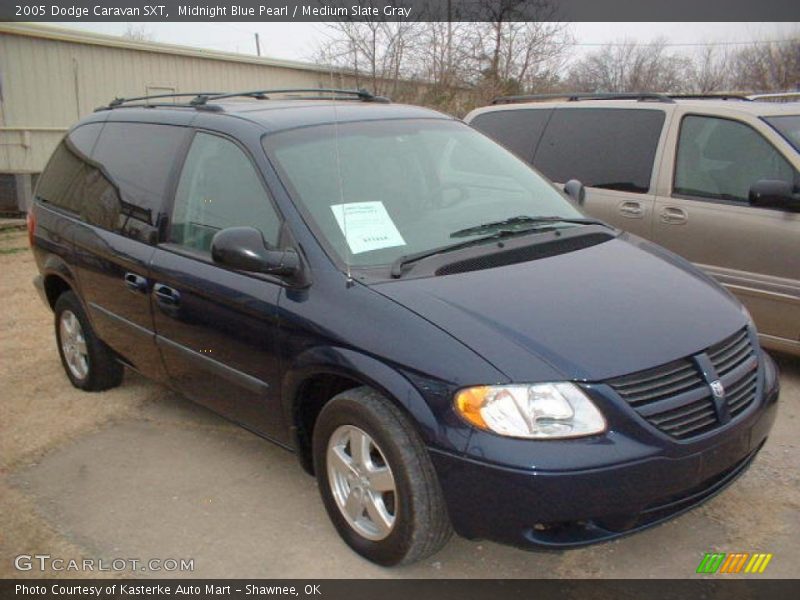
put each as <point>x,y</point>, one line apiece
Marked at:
<point>415,523</point>
<point>89,364</point>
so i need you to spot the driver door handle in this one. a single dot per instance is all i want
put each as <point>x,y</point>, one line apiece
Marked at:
<point>166,295</point>
<point>135,282</point>
<point>631,209</point>
<point>673,215</point>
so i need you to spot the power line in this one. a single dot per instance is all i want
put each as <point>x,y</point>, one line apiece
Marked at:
<point>682,44</point>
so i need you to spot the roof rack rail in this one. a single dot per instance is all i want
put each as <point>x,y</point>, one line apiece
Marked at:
<point>200,100</point>
<point>715,96</point>
<point>576,96</point>
<point>121,101</point>
<point>362,94</point>
<point>776,96</point>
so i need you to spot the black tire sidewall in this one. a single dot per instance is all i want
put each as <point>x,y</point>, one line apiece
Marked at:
<point>344,411</point>
<point>68,302</point>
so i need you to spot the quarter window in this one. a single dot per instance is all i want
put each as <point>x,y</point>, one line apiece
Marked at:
<point>219,188</point>
<point>612,148</point>
<point>134,164</point>
<point>62,181</point>
<point>721,159</point>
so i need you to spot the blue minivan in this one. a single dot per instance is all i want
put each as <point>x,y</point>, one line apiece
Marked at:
<point>440,334</point>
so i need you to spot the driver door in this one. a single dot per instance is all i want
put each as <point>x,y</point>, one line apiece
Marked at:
<point>216,327</point>
<point>707,218</point>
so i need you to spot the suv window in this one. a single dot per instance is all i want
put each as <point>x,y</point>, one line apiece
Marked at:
<point>61,182</point>
<point>218,188</point>
<point>518,130</point>
<point>610,148</point>
<point>721,158</point>
<point>135,162</point>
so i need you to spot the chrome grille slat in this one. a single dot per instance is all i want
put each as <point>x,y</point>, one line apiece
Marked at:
<point>705,413</point>
<point>675,397</point>
<point>696,428</point>
<point>681,376</point>
<point>652,374</point>
<point>665,419</point>
<point>731,353</point>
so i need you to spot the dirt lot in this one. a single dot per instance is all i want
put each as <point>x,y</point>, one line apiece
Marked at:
<point>138,472</point>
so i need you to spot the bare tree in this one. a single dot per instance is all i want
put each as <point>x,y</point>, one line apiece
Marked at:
<point>710,71</point>
<point>377,52</point>
<point>631,67</point>
<point>519,45</point>
<point>457,64</point>
<point>138,33</point>
<point>769,67</point>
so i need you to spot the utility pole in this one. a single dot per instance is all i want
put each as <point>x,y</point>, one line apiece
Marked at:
<point>258,45</point>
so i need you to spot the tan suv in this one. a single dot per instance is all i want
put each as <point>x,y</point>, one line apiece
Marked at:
<point>714,179</point>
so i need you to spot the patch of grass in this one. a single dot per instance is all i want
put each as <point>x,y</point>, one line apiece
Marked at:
<point>12,250</point>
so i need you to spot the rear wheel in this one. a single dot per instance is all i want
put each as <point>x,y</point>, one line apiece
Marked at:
<point>89,364</point>
<point>377,481</point>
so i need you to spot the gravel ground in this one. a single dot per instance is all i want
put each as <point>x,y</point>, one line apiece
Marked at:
<point>139,472</point>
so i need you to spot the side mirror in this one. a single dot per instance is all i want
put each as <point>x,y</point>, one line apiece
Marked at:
<point>575,190</point>
<point>774,193</point>
<point>243,248</point>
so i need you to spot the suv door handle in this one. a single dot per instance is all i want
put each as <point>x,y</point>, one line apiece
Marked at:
<point>136,283</point>
<point>673,215</point>
<point>631,209</point>
<point>166,295</point>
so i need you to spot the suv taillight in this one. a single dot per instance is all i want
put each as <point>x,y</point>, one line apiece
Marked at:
<point>31,220</point>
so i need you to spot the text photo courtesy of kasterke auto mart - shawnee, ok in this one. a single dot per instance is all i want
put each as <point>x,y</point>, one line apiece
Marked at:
<point>486,298</point>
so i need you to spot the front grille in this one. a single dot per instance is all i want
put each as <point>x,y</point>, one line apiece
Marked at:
<point>676,398</point>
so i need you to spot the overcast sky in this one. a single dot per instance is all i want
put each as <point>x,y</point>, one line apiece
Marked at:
<point>296,41</point>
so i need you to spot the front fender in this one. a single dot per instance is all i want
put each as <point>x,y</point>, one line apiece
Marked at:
<point>431,415</point>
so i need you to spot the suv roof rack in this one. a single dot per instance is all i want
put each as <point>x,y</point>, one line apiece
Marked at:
<point>575,97</point>
<point>718,96</point>
<point>201,100</point>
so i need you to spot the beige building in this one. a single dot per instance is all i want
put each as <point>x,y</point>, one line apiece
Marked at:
<point>51,77</point>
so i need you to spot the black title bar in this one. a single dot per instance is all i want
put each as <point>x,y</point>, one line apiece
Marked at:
<point>400,10</point>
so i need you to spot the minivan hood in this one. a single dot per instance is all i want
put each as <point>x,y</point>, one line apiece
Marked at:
<point>607,310</point>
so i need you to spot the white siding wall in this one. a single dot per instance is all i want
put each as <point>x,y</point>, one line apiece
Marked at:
<point>52,77</point>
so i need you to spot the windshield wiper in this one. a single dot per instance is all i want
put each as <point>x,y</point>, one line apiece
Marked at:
<point>517,225</point>
<point>406,259</point>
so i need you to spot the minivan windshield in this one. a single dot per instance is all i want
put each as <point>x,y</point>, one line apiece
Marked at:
<point>788,126</point>
<point>380,190</point>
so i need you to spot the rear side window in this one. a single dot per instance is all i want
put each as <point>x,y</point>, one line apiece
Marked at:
<point>61,182</point>
<point>721,159</point>
<point>135,162</point>
<point>518,130</point>
<point>609,148</point>
<point>218,188</point>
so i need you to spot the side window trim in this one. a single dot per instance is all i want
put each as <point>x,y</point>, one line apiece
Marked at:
<point>710,199</point>
<point>169,208</point>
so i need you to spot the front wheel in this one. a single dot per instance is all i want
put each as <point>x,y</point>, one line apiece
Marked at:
<point>377,481</point>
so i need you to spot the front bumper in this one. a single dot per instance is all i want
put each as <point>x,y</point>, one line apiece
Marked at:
<point>562,509</point>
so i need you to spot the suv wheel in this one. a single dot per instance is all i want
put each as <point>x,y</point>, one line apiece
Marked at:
<point>377,481</point>
<point>88,362</point>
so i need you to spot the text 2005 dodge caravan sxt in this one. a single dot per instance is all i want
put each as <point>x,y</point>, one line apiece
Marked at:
<point>444,340</point>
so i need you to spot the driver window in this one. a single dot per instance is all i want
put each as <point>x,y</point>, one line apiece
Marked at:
<point>219,188</point>
<point>721,159</point>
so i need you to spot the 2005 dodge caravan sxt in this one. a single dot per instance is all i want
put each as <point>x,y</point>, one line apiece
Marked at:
<point>441,336</point>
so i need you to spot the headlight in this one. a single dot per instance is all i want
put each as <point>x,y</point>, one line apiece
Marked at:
<point>539,411</point>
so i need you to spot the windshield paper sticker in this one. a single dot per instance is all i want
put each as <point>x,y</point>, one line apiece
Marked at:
<point>367,226</point>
